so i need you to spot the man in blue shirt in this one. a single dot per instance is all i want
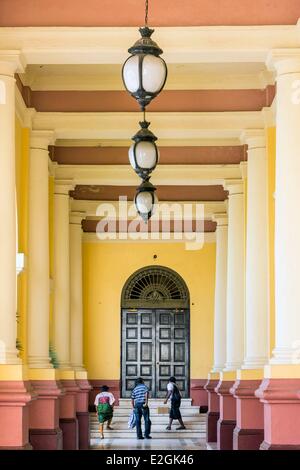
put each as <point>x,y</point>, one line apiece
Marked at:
<point>139,401</point>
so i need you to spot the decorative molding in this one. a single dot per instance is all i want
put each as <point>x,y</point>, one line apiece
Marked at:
<point>209,237</point>
<point>63,186</point>
<point>187,77</point>
<point>187,125</point>
<point>41,139</point>
<point>234,187</point>
<point>11,61</point>
<point>164,175</point>
<point>254,138</point>
<point>221,218</point>
<point>90,207</point>
<point>284,60</point>
<point>96,45</point>
<point>76,217</point>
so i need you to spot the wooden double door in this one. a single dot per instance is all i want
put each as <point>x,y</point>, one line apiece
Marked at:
<point>155,346</point>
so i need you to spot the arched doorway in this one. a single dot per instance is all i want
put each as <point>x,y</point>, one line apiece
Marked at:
<point>155,341</point>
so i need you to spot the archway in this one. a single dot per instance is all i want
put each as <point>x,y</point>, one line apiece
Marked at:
<point>155,341</point>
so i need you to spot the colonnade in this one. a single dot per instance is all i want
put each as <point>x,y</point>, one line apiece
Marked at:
<point>41,406</point>
<point>254,399</point>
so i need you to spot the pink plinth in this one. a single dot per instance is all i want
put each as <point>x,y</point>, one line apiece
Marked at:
<point>281,401</point>
<point>82,413</point>
<point>14,417</point>
<point>249,431</point>
<point>213,411</point>
<point>44,430</point>
<point>68,421</point>
<point>227,420</point>
<point>198,394</point>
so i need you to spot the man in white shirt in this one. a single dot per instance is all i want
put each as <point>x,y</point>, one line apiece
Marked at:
<point>174,395</point>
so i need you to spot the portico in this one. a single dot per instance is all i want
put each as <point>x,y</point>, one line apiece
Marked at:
<point>220,310</point>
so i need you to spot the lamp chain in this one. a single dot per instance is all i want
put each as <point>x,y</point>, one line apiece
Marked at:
<point>146,13</point>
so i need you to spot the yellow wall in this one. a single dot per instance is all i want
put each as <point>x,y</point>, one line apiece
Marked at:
<point>271,142</point>
<point>22,167</point>
<point>107,266</point>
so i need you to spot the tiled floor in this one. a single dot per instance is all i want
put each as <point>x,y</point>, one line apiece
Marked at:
<point>153,444</point>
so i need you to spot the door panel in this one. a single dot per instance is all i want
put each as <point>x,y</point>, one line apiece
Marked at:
<point>172,346</point>
<point>138,350</point>
<point>155,346</point>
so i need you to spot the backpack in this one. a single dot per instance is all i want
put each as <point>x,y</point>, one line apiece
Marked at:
<point>176,396</point>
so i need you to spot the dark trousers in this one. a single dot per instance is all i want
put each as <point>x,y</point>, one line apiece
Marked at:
<point>140,411</point>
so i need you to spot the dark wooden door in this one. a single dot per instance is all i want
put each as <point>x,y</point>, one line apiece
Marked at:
<point>155,346</point>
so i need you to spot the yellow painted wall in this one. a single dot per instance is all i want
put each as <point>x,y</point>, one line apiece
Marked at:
<point>271,142</point>
<point>22,167</point>
<point>107,266</point>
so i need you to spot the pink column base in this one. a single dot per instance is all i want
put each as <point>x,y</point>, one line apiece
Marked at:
<point>82,413</point>
<point>249,431</point>
<point>198,394</point>
<point>44,431</point>
<point>213,414</point>
<point>281,401</point>
<point>14,414</point>
<point>67,415</point>
<point>227,420</point>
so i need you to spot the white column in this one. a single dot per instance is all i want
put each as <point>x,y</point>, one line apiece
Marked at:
<point>76,307</point>
<point>235,277</point>
<point>8,352</point>
<point>220,292</point>
<point>38,250</point>
<point>257,290</point>
<point>61,310</point>
<point>287,220</point>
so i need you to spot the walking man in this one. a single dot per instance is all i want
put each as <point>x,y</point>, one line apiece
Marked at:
<point>139,401</point>
<point>174,394</point>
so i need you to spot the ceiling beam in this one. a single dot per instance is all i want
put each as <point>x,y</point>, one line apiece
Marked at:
<point>123,175</point>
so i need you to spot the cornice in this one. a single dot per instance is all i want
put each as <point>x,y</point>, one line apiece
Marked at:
<point>90,207</point>
<point>209,237</point>
<point>169,125</point>
<point>164,174</point>
<point>88,45</point>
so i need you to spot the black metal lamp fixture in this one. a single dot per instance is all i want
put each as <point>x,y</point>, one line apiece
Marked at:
<point>146,200</point>
<point>144,73</point>
<point>143,153</point>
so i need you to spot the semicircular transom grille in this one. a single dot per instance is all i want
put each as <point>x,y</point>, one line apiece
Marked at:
<point>156,285</point>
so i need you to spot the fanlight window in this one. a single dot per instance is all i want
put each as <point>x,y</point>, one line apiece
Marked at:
<point>155,286</point>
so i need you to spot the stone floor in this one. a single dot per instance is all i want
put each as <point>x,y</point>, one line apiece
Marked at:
<point>153,444</point>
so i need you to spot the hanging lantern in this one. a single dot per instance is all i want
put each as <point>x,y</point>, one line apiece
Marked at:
<point>145,200</point>
<point>144,73</point>
<point>143,153</point>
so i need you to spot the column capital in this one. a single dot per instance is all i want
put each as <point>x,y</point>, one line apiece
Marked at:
<point>221,218</point>
<point>41,139</point>
<point>76,217</point>
<point>11,62</point>
<point>235,186</point>
<point>254,138</point>
<point>63,187</point>
<point>284,61</point>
